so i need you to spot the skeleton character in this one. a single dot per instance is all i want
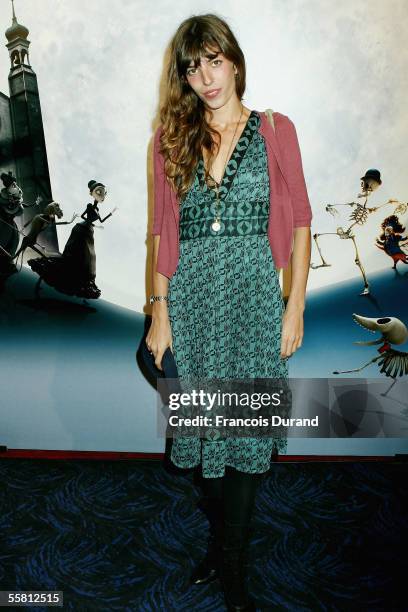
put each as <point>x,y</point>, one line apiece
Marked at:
<point>359,215</point>
<point>390,240</point>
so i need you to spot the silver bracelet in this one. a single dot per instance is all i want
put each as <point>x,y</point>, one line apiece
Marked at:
<point>158,298</point>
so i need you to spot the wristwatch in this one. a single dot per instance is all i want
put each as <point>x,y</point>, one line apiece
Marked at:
<point>158,298</point>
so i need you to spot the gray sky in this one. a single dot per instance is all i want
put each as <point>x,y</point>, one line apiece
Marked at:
<point>338,70</point>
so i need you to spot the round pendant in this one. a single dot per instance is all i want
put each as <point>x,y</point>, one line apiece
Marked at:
<point>216,225</point>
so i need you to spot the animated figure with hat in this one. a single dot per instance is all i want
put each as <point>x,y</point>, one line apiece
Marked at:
<point>369,183</point>
<point>74,272</point>
<point>390,240</point>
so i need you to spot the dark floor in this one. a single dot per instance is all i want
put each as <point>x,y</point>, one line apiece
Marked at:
<point>124,535</point>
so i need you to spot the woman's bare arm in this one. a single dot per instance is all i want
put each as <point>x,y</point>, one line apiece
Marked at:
<point>159,335</point>
<point>292,328</point>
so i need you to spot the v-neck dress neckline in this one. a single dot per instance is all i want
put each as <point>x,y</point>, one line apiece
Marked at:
<point>233,163</point>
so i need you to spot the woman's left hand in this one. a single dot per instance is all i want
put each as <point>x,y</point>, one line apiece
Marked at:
<point>292,331</point>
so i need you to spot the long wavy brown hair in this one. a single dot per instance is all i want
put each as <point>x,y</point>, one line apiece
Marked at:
<point>182,114</point>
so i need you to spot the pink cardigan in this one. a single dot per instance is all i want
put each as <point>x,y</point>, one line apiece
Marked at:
<point>289,201</point>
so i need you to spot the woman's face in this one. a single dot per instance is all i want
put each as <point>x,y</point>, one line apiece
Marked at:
<point>213,80</point>
<point>99,193</point>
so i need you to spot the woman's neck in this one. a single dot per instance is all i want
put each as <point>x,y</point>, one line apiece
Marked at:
<point>228,114</point>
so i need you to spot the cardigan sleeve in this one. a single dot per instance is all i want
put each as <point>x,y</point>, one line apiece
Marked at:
<point>159,184</point>
<point>302,212</point>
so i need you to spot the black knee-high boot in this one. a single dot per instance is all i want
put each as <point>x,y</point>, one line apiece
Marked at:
<point>212,505</point>
<point>239,500</point>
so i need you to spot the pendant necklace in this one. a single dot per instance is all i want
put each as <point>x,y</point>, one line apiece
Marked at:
<point>216,225</point>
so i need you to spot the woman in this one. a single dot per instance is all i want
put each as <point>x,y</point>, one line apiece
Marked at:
<point>231,207</point>
<point>74,272</point>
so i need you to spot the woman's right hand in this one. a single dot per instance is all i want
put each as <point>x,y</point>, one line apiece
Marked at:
<point>159,337</point>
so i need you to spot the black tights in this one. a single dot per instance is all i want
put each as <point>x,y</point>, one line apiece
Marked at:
<point>237,490</point>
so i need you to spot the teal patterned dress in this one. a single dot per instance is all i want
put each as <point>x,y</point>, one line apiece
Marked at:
<point>225,302</point>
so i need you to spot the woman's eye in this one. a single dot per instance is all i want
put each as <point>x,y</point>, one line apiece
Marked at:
<point>216,62</point>
<point>190,71</point>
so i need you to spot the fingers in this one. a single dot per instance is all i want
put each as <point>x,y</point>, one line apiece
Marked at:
<point>157,353</point>
<point>285,350</point>
<point>149,348</point>
<point>289,345</point>
<point>158,360</point>
<point>292,334</point>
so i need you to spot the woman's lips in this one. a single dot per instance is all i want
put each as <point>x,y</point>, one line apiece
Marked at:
<point>213,93</point>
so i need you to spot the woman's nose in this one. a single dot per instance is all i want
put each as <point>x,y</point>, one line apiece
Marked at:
<point>206,76</point>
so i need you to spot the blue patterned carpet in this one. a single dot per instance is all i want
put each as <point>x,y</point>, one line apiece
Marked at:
<point>123,535</point>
